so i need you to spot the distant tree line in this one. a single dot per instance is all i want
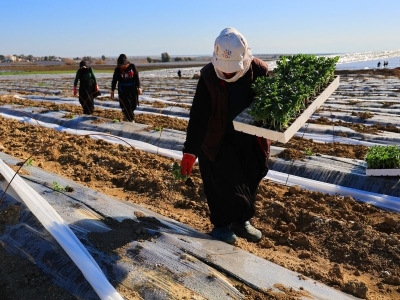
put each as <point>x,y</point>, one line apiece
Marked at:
<point>28,58</point>
<point>31,58</point>
<point>183,58</point>
<point>166,58</point>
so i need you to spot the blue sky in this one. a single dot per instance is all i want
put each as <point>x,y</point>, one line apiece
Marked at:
<point>70,28</point>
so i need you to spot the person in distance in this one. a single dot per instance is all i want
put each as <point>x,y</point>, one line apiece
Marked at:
<point>232,163</point>
<point>87,87</point>
<point>127,77</point>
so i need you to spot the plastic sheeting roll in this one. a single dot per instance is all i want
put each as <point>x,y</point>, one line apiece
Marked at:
<point>56,226</point>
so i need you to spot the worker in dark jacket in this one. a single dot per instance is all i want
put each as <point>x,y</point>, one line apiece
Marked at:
<point>231,163</point>
<point>127,77</point>
<point>87,87</point>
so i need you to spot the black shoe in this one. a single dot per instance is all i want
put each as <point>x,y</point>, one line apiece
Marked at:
<point>224,233</point>
<point>247,231</point>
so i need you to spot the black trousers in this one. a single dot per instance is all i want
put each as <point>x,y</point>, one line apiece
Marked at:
<point>128,101</point>
<point>231,181</point>
<point>86,99</point>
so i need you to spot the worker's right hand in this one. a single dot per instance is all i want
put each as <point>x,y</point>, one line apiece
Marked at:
<point>187,164</point>
<point>75,91</point>
<point>112,95</point>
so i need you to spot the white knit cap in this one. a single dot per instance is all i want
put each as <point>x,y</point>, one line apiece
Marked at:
<point>231,52</point>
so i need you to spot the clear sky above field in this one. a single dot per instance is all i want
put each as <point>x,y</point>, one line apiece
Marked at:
<point>185,27</point>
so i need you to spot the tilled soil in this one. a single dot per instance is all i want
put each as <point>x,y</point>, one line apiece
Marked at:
<point>349,245</point>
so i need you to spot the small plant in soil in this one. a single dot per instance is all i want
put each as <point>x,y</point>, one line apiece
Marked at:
<point>115,120</point>
<point>29,162</point>
<point>69,116</point>
<point>383,157</point>
<point>176,172</point>
<point>387,104</point>
<point>309,152</point>
<point>60,188</point>
<point>365,115</point>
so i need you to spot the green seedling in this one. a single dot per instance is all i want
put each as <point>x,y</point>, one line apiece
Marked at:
<point>365,115</point>
<point>309,152</point>
<point>159,128</point>
<point>29,162</point>
<point>115,120</point>
<point>58,187</point>
<point>176,172</point>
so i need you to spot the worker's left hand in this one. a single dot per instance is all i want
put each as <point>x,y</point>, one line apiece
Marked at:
<point>75,91</point>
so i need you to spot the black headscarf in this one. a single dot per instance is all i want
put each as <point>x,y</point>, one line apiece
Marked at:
<point>122,60</point>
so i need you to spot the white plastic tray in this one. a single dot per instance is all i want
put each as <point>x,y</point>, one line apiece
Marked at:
<point>382,172</point>
<point>244,122</point>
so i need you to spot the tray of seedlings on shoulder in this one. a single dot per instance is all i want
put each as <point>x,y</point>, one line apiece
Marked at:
<point>285,101</point>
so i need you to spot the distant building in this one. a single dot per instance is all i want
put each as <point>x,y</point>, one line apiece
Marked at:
<point>10,58</point>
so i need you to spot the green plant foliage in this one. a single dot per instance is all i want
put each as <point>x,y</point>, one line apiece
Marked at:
<point>297,80</point>
<point>176,172</point>
<point>383,157</point>
<point>58,187</point>
<point>29,162</point>
<point>309,152</point>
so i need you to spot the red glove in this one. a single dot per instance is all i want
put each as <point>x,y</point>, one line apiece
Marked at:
<point>74,90</point>
<point>187,164</point>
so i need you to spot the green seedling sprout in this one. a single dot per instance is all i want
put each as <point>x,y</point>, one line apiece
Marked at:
<point>58,187</point>
<point>29,162</point>
<point>309,152</point>
<point>176,172</point>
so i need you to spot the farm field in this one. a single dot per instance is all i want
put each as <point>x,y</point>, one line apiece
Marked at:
<point>337,240</point>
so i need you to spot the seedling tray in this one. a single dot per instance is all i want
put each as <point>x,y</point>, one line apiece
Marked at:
<point>382,172</point>
<point>244,122</point>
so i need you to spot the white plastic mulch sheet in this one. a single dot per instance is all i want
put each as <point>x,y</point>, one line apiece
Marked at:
<point>56,226</point>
